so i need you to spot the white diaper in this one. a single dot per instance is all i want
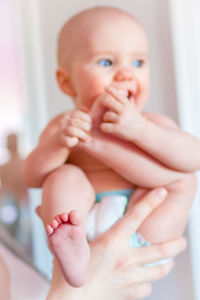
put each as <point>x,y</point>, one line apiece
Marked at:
<point>104,214</point>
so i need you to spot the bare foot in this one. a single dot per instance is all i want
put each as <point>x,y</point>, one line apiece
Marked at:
<point>67,240</point>
<point>96,112</point>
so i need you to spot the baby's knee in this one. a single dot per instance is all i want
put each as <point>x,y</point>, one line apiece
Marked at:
<point>187,183</point>
<point>69,176</point>
<point>63,174</point>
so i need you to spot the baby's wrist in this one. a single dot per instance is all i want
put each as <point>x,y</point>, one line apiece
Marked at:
<point>139,128</point>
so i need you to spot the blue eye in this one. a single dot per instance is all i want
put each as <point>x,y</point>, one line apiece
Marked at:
<point>137,63</point>
<point>105,62</point>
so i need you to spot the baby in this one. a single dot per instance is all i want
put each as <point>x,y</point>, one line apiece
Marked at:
<point>107,146</point>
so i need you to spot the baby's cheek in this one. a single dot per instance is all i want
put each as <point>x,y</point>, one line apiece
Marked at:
<point>142,97</point>
<point>146,86</point>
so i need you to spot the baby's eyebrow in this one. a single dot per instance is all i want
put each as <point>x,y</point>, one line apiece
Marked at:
<point>113,53</point>
<point>140,54</point>
<point>98,53</point>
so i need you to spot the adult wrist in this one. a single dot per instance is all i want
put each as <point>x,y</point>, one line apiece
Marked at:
<point>81,293</point>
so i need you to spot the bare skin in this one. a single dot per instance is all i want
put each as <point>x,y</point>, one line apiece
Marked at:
<point>68,242</point>
<point>116,270</point>
<point>107,135</point>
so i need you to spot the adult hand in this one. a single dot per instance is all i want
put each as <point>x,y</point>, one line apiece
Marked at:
<point>116,270</point>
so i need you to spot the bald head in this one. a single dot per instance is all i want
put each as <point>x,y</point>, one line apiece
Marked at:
<point>77,29</point>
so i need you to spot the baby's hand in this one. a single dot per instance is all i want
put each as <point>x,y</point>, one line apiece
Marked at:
<point>74,126</point>
<point>122,118</point>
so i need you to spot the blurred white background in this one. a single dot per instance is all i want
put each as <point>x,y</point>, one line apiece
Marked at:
<point>30,96</point>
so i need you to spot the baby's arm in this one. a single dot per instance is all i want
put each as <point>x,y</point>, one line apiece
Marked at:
<point>155,134</point>
<point>123,156</point>
<point>128,159</point>
<point>55,144</point>
<point>144,171</point>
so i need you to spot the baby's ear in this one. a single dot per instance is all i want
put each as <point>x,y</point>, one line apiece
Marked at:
<point>64,82</point>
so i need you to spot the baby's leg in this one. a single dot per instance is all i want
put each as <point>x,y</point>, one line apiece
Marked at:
<point>169,220</point>
<point>68,189</point>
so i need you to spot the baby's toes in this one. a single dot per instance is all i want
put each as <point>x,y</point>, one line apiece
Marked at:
<point>52,226</point>
<point>58,219</point>
<point>64,217</point>
<point>49,230</point>
<point>75,218</point>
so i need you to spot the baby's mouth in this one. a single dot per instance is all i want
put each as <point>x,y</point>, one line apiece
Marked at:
<point>130,96</point>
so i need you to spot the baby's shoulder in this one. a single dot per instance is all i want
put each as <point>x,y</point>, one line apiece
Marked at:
<point>58,118</point>
<point>160,119</point>
<point>53,125</point>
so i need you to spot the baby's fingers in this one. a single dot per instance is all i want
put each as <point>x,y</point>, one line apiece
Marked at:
<point>68,141</point>
<point>81,115</point>
<point>85,126</point>
<point>110,103</point>
<point>76,132</point>
<point>119,94</point>
<point>110,119</point>
<point>110,116</point>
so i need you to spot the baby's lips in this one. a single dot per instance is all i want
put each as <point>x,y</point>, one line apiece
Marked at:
<point>131,96</point>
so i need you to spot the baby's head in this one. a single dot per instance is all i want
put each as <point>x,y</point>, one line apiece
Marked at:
<point>103,47</point>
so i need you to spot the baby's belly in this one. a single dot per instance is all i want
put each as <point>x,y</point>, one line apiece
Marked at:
<point>107,180</point>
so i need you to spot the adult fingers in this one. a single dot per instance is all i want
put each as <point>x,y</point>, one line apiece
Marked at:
<point>154,253</point>
<point>136,215</point>
<point>133,275</point>
<point>157,272</point>
<point>138,291</point>
<point>138,194</point>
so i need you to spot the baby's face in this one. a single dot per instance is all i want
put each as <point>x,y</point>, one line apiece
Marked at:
<point>112,55</point>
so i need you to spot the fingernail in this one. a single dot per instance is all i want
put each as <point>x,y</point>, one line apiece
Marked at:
<point>161,193</point>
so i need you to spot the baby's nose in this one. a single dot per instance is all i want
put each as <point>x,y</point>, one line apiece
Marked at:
<point>123,74</point>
